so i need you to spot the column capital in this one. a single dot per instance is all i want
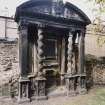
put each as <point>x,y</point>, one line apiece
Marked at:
<point>23,24</point>
<point>72,32</point>
<point>82,32</point>
<point>41,25</point>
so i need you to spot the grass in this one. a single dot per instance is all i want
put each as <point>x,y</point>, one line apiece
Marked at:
<point>94,97</point>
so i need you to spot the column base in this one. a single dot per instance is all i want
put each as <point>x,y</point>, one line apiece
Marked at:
<point>41,98</point>
<point>82,91</point>
<point>71,93</point>
<point>62,79</point>
<point>40,88</point>
<point>23,100</point>
<point>23,95</point>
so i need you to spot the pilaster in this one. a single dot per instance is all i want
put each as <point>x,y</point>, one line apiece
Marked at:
<point>81,63</point>
<point>23,57</point>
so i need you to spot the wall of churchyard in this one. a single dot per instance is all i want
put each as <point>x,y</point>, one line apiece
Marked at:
<point>95,55</point>
<point>9,55</point>
<point>9,64</point>
<point>8,28</point>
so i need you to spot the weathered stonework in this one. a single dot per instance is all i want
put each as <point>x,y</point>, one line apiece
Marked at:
<point>9,63</point>
<point>99,75</point>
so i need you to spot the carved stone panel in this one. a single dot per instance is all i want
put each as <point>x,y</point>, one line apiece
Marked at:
<point>41,88</point>
<point>57,9</point>
<point>70,85</point>
<point>24,90</point>
<point>33,88</point>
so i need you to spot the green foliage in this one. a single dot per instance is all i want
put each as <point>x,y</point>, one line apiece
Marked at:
<point>93,60</point>
<point>90,59</point>
<point>99,27</point>
<point>56,72</point>
<point>101,4</point>
<point>101,41</point>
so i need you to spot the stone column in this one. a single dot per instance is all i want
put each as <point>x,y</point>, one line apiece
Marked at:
<point>23,57</point>
<point>69,52</point>
<point>40,79</point>
<point>35,60</point>
<point>81,53</point>
<point>70,78</point>
<point>63,60</point>
<point>81,61</point>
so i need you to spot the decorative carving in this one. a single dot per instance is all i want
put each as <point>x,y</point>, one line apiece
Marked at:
<point>70,14</point>
<point>78,83</point>
<point>42,88</point>
<point>23,24</point>
<point>40,79</point>
<point>33,87</point>
<point>81,85</point>
<point>58,9</point>
<point>83,82</point>
<point>70,54</point>
<point>70,84</point>
<point>24,90</point>
<point>40,50</point>
<point>41,9</point>
<point>55,8</point>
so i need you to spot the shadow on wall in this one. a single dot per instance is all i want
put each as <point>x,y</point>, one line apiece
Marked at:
<point>95,70</point>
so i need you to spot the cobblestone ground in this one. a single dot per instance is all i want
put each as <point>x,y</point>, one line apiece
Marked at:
<point>96,96</point>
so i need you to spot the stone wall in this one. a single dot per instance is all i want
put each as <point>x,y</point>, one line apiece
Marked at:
<point>9,64</point>
<point>95,54</point>
<point>8,28</point>
<point>95,69</point>
<point>99,75</point>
